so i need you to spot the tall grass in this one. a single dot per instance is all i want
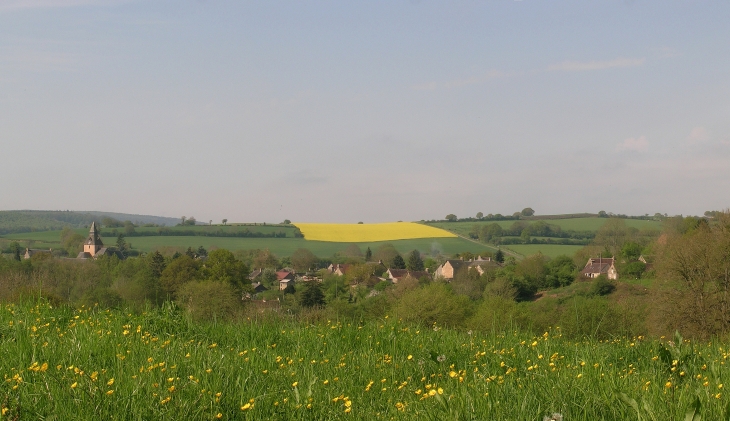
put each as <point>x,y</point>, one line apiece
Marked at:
<point>64,363</point>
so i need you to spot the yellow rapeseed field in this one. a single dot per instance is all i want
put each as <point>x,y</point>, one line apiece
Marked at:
<point>361,233</point>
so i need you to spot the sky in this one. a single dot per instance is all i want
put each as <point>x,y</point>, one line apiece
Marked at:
<point>374,111</point>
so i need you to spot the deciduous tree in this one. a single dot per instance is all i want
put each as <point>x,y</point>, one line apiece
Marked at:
<point>527,212</point>
<point>303,259</point>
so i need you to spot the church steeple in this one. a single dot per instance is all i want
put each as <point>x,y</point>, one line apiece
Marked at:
<point>93,244</point>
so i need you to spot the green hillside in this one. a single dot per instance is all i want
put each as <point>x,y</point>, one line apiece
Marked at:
<point>15,221</point>
<point>574,224</point>
<point>282,247</point>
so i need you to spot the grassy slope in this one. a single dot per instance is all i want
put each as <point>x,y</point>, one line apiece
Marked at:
<point>575,224</point>
<point>27,220</point>
<point>279,246</point>
<point>551,250</point>
<point>160,366</point>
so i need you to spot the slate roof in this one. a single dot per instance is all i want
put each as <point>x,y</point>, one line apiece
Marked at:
<point>599,265</point>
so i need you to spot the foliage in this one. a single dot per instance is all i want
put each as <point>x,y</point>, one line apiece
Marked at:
<point>698,263</point>
<point>178,272</point>
<point>415,262</point>
<point>353,250</point>
<point>312,296</point>
<point>222,266</point>
<point>209,300</point>
<point>561,271</point>
<point>602,286</point>
<point>632,270</point>
<point>398,262</point>
<point>303,259</point>
<point>433,304</point>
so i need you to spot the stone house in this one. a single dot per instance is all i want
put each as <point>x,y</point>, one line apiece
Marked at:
<point>600,266</point>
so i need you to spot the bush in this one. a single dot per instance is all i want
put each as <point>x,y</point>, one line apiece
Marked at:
<point>602,286</point>
<point>209,300</point>
<point>433,304</point>
<point>494,314</point>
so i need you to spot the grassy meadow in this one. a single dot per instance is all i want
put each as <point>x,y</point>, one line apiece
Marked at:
<point>572,224</point>
<point>336,237</point>
<point>65,363</point>
<point>281,247</point>
<point>549,250</point>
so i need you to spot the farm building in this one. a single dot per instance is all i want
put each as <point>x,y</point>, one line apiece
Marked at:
<point>395,275</point>
<point>30,252</point>
<point>600,266</point>
<point>450,267</point>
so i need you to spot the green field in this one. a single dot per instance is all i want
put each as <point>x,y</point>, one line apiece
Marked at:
<point>76,364</point>
<point>574,224</point>
<point>549,250</point>
<point>281,247</point>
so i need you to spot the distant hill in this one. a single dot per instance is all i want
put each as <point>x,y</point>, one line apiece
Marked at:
<point>17,221</point>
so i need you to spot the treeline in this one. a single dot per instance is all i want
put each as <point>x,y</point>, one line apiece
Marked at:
<point>176,232</point>
<point>523,231</point>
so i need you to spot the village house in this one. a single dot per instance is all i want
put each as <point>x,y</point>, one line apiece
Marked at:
<point>258,287</point>
<point>338,268</point>
<point>255,274</point>
<point>31,252</point>
<point>449,268</point>
<point>395,275</point>
<point>600,266</point>
<point>285,279</point>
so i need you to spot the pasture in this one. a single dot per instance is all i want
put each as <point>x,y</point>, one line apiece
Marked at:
<point>74,364</point>
<point>360,233</point>
<point>549,250</point>
<point>281,247</point>
<point>573,224</point>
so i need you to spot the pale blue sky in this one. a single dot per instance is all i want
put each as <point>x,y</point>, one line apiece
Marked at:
<point>364,111</point>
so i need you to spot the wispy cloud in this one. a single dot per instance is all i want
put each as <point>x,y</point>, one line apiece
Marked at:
<point>637,144</point>
<point>35,60</point>
<point>581,66</point>
<point>9,5</point>
<point>458,83</point>
<point>698,134</point>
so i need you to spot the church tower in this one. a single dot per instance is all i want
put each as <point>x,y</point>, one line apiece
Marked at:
<point>93,244</point>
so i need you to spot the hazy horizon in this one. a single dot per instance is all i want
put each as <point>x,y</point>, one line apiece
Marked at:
<point>374,112</point>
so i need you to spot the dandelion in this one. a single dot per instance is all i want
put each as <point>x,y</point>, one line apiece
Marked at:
<point>441,358</point>
<point>74,384</point>
<point>555,416</point>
